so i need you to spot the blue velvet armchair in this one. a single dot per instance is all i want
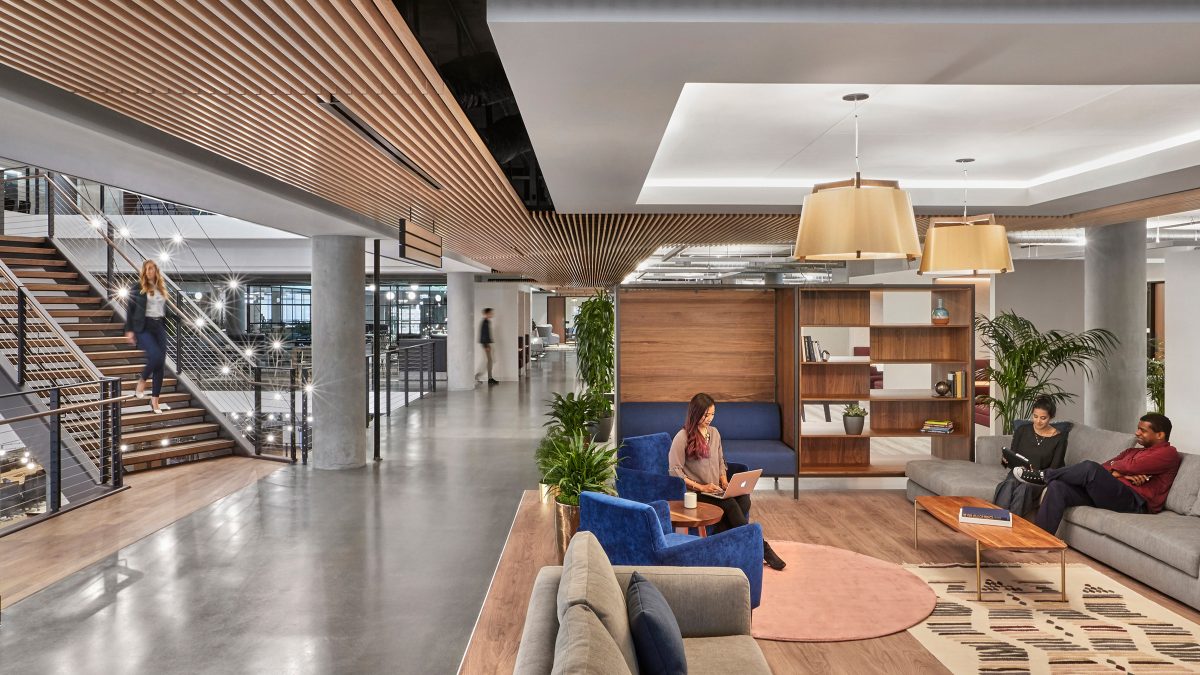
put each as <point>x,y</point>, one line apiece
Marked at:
<point>642,471</point>
<point>640,534</point>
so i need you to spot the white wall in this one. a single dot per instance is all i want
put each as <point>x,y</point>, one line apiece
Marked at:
<point>539,307</point>
<point>1182,348</point>
<point>505,299</point>
<point>1050,294</point>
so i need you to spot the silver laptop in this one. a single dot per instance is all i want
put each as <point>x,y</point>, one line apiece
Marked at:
<point>740,484</point>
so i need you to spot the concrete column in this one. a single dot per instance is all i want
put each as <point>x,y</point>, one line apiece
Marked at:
<point>1182,349</point>
<point>235,307</point>
<point>338,353</point>
<point>460,330</point>
<point>1114,297</point>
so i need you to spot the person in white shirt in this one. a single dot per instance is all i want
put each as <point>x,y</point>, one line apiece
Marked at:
<point>145,327</point>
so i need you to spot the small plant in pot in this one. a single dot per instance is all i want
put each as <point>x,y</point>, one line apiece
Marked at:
<point>853,418</point>
<point>573,465</point>
<point>599,414</point>
<point>569,413</point>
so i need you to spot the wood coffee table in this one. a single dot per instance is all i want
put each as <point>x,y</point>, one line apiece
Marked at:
<point>1022,536</point>
<point>701,517</point>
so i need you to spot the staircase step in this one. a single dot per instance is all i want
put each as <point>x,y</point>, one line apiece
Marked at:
<point>12,261</point>
<point>47,374</point>
<point>122,370</point>
<point>51,357</point>
<point>29,250</point>
<point>98,341</point>
<point>179,431</point>
<point>44,274</point>
<point>82,326</point>
<point>168,398</point>
<point>65,288</point>
<point>129,420</point>
<point>115,355</point>
<point>158,454</point>
<point>132,384</point>
<point>79,313</point>
<point>23,240</point>
<point>68,300</point>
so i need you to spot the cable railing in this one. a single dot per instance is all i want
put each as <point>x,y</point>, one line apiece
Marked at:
<point>407,371</point>
<point>43,466</point>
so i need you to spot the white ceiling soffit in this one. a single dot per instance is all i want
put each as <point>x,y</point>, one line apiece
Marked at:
<point>603,89</point>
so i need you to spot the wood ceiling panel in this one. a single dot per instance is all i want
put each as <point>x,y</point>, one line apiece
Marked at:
<point>241,78</point>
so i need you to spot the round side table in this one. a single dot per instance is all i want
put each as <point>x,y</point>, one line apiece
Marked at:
<point>701,517</point>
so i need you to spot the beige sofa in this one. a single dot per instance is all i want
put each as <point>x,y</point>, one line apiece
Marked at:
<point>577,620</point>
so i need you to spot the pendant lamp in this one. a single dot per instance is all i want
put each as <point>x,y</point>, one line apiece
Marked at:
<point>965,246</point>
<point>857,218</point>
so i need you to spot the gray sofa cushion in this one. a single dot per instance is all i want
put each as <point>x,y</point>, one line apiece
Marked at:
<point>585,646</point>
<point>1098,445</point>
<point>535,655</point>
<point>1182,497</point>
<point>1169,537</point>
<point>588,579</point>
<point>731,654</point>
<point>955,477</point>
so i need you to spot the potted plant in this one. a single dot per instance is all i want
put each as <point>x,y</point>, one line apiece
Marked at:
<point>575,465</point>
<point>595,339</point>
<point>1025,360</point>
<point>569,413</point>
<point>853,418</point>
<point>1156,377</point>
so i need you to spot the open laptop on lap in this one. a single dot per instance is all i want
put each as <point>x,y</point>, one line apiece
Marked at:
<point>739,484</point>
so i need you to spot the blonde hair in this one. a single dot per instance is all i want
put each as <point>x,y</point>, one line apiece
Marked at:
<point>144,283</point>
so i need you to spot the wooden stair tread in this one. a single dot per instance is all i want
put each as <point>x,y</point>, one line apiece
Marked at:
<point>65,288</point>
<point>136,419</point>
<point>115,354</point>
<point>31,250</point>
<point>79,313</point>
<point>44,274</point>
<point>156,454</point>
<point>131,384</point>
<point>97,341</point>
<point>24,240</point>
<point>91,326</point>
<point>27,262</point>
<point>122,369</point>
<point>50,373</point>
<point>159,433</point>
<point>51,357</point>
<point>169,398</point>
<point>69,300</point>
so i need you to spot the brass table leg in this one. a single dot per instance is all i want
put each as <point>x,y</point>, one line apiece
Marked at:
<point>978,575</point>
<point>1063,564</point>
<point>916,513</point>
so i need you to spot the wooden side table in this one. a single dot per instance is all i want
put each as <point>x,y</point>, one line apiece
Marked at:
<point>701,517</point>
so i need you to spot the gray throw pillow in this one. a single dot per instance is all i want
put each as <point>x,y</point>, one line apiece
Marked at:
<point>588,579</point>
<point>584,647</point>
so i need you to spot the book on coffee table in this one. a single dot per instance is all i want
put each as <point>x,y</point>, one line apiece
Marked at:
<point>978,516</point>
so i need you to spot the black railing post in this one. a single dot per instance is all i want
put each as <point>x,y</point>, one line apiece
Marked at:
<point>258,410</point>
<point>49,204</point>
<point>304,439</point>
<point>370,413</point>
<point>390,353</point>
<point>432,366</point>
<point>406,378</point>
<point>376,340</point>
<point>105,446</point>
<point>420,372</point>
<point>118,461</point>
<point>292,409</point>
<point>54,484</point>
<point>110,256</point>
<point>20,337</point>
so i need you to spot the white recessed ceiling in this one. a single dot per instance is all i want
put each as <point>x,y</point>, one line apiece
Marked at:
<point>677,105</point>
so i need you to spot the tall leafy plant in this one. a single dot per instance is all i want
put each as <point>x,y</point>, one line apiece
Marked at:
<point>1026,359</point>
<point>595,337</point>
<point>573,464</point>
<point>1156,377</point>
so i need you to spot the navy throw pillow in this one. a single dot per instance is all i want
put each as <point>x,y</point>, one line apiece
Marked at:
<point>656,635</point>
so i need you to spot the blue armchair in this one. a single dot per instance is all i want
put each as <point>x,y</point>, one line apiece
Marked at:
<point>640,534</point>
<point>642,471</point>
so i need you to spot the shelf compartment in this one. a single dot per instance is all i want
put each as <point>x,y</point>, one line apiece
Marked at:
<point>843,307</point>
<point>907,417</point>
<point>830,451</point>
<point>923,344</point>
<point>835,379</point>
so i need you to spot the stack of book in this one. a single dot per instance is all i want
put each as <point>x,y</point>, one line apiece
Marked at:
<point>938,427</point>
<point>960,386</point>
<point>979,516</point>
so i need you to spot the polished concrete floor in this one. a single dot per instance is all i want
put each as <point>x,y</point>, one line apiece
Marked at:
<point>378,570</point>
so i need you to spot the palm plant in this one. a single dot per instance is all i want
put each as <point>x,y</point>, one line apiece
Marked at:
<point>573,464</point>
<point>595,334</point>
<point>1156,377</point>
<point>1026,359</point>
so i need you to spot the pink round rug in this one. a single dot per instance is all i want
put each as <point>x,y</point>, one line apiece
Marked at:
<point>828,594</point>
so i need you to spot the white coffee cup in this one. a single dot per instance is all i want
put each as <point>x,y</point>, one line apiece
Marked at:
<point>689,500</point>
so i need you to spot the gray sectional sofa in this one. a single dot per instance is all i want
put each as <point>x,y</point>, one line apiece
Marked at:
<point>562,634</point>
<point>1160,550</point>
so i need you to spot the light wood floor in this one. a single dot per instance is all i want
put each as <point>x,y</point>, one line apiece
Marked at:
<point>40,555</point>
<point>873,522</point>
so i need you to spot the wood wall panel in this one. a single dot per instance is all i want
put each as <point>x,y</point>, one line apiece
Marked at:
<point>848,451</point>
<point>675,343</point>
<point>556,316</point>
<point>785,362</point>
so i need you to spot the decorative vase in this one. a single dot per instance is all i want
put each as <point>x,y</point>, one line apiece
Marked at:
<point>601,429</point>
<point>544,491</point>
<point>940,315</point>
<point>941,388</point>
<point>853,425</point>
<point>566,524</point>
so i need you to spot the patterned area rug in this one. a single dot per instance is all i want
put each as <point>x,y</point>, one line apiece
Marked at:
<point>1022,626</point>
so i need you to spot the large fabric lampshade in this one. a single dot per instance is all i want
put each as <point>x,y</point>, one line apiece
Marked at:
<point>857,219</point>
<point>966,246</point>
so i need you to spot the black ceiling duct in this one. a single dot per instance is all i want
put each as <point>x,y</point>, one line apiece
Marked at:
<point>477,80</point>
<point>507,139</point>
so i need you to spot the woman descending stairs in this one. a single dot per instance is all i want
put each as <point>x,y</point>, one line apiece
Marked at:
<point>185,432</point>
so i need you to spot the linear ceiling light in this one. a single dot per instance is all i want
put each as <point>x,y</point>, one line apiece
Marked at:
<point>856,218</point>
<point>966,246</point>
<point>358,126</point>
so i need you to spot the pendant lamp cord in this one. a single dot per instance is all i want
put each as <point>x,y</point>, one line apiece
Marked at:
<point>857,168</point>
<point>964,194</point>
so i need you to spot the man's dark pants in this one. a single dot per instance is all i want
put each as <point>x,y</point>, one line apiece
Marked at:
<point>1084,484</point>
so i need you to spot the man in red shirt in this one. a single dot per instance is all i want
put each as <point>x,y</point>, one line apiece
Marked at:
<point>1135,481</point>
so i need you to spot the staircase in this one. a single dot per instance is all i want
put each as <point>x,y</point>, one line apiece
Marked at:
<point>186,432</point>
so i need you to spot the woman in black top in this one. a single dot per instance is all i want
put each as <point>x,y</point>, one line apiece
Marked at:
<point>145,327</point>
<point>1043,447</point>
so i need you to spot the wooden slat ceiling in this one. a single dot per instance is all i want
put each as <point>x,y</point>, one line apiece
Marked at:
<point>241,78</point>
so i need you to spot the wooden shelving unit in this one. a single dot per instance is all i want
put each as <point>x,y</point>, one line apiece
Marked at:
<point>824,448</point>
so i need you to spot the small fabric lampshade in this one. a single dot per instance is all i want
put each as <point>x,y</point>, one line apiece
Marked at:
<point>857,219</point>
<point>966,246</point>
